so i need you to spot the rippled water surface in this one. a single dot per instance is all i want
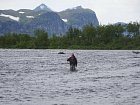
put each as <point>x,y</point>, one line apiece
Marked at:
<point>42,77</point>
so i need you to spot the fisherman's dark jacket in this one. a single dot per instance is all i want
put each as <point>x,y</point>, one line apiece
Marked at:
<point>72,60</point>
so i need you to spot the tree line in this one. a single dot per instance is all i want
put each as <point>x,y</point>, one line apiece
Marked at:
<point>89,37</point>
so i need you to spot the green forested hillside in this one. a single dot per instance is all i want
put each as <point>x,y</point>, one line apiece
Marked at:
<point>90,37</point>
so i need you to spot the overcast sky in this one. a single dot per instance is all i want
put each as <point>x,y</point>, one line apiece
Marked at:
<point>107,11</point>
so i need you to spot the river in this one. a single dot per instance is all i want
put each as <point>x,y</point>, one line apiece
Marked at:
<point>42,77</point>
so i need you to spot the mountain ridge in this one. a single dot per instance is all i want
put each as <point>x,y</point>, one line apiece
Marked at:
<point>53,22</point>
<point>78,17</point>
<point>42,7</point>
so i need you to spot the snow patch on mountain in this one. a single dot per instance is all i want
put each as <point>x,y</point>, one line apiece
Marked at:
<point>30,16</point>
<point>10,16</point>
<point>21,12</point>
<point>42,7</point>
<point>65,20</point>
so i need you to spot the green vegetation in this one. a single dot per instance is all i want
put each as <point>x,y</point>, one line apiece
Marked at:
<point>101,37</point>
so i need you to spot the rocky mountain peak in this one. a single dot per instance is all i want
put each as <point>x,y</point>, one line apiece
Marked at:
<point>78,7</point>
<point>42,7</point>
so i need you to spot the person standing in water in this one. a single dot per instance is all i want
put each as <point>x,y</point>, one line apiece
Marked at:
<point>73,62</point>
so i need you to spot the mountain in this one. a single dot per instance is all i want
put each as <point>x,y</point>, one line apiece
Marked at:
<point>27,21</point>
<point>50,22</point>
<point>78,17</point>
<point>42,7</point>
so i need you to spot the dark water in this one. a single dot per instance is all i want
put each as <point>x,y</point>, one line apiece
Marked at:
<point>42,77</point>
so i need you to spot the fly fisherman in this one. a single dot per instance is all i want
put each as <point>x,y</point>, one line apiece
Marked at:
<point>73,62</point>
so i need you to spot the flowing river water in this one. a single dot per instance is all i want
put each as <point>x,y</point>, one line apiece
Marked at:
<point>42,77</point>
